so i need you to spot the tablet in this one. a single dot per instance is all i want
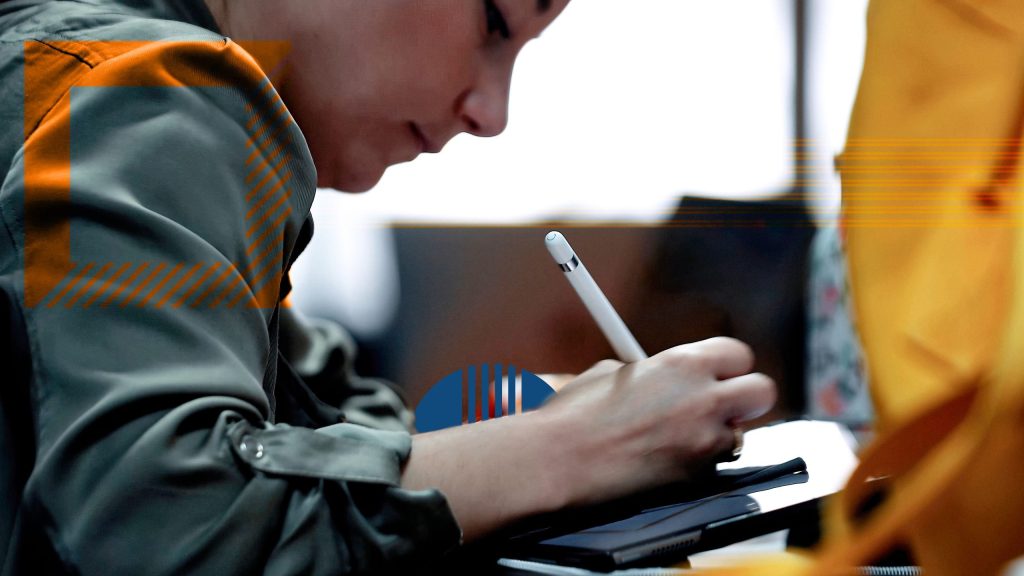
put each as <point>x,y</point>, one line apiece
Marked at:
<point>746,501</point>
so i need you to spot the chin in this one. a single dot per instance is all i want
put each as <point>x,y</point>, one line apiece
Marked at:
<point>354,183</point>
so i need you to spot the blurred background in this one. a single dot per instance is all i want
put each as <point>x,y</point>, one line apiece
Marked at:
<point>684,147</point>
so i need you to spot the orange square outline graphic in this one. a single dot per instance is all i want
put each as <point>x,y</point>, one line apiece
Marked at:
<point>51,69</point>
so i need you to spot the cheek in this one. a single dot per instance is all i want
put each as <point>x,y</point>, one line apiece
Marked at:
<point>424,79</point>
<point>432,52</point>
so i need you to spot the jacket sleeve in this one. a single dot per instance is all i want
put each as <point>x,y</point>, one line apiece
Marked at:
<point>323,354</point>
<point>147,266</point>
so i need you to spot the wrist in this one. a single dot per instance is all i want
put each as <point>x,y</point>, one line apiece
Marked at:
<point>553,459</point>
<point>574,457</point>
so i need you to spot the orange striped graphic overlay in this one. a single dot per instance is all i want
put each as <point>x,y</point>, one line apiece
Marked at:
<point>52,278</point>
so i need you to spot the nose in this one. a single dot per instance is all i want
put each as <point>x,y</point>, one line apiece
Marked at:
<point>484,107</point>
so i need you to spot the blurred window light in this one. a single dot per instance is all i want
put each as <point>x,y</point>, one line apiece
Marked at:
<point>617,110</point>
<point>836,36</point>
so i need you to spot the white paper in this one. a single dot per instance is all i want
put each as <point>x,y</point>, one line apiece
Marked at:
<point>826,447</point>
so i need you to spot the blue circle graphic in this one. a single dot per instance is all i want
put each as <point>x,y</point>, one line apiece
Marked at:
<point>480,393</point>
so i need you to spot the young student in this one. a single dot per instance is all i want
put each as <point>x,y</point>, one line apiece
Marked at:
<point>156,190</point>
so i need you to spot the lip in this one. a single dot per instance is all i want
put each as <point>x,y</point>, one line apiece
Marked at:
<point>426,143</point>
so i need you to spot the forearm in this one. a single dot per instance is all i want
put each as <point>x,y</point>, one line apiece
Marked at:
<point>613,431</point>
<point>496,471</point>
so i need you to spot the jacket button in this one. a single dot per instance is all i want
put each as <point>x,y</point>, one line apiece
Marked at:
<point>250,445</point>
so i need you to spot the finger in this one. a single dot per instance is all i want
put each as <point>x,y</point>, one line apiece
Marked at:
<point>722,357</point>
<point>745,397</point>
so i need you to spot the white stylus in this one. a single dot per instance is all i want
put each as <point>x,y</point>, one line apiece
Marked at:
<point>621,339</point>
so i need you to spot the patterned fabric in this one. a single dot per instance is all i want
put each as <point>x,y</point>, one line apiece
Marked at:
<point>836,380</point>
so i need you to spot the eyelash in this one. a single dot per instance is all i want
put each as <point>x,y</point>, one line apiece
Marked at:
<point>496,20</point>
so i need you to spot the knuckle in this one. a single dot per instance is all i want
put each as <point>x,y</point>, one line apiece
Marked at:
<point>732,346</point>
<point>687,359</point>
<point>602,368</point>
<point>742,350</point>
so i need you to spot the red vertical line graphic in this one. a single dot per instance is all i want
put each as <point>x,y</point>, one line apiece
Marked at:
<point>124,285</point>
<point>213,285</point>
<point>519,391</point>
<point>177,286</point>
<point>195,286</point>
<point>70,285</point>
<point>485,395</point>
<point>473,393</point>
<point>478,382</point>
<point>477,397</point>
<point>481,393</point>
<point>270,212</point>
<point>492,399</point>
<point>88,285</point>
<point>465,397</point>
<point>160,285</point>
<point>106,285</point>
<point>496,387</point>
<point>143,284</point>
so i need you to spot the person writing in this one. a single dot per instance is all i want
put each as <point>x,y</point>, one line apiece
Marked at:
<point>157,188</point>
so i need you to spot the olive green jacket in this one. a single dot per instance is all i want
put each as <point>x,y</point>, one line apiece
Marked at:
<point>155,192</point>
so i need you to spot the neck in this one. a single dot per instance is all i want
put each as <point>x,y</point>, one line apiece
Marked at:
<point>239,25</point>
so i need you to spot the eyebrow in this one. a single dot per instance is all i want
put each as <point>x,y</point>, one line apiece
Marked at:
<point>543,6</point>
